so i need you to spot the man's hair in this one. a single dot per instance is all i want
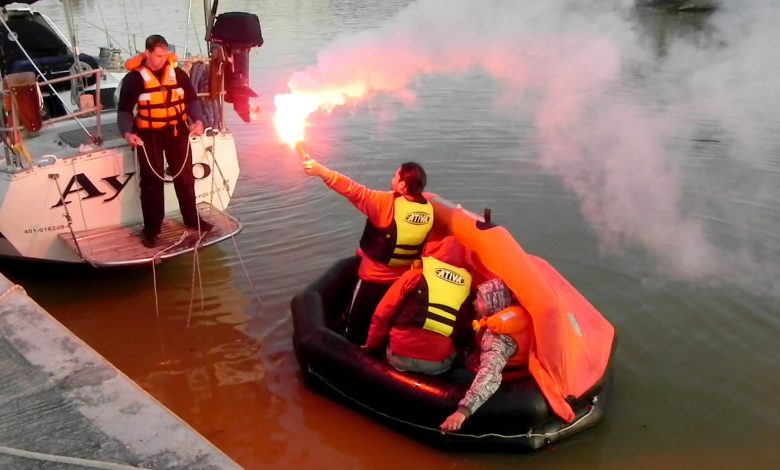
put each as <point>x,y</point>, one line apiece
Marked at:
<point>154,41</point>
<point>414,176</point>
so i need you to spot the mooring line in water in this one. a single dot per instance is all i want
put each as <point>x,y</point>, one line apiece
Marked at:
<point>212,152</point>
<point>154,270</point>
<point>66,460</point>
<point>156,296</point>
<point>196,268</point>
<point>246,273</point>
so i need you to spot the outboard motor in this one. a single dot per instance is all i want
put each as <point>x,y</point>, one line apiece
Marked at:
<point>232,37</point>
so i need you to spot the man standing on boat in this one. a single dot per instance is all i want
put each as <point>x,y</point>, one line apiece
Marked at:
<point>398,222</point>
<point>163,98</point>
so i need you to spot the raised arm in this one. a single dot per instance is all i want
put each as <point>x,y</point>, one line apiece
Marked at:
<point>376,205</point>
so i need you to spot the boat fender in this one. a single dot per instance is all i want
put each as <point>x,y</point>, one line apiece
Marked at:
<point>23,98</point>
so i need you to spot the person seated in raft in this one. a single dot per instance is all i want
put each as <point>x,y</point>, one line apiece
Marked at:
<point>504,333</point>
<point>420,311</point>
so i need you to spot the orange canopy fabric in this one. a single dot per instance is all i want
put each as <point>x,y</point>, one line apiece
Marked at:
<point>572,340</point>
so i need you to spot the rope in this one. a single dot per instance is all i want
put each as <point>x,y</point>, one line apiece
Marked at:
<point>11,290</point>
<point>527,435</point>
<point>196,268</point>
<point>154,270</point>
<point>55,177</point>
<point>196,265</point>
<point>212,153</point>
<point>63,459</point>
<point>162,177</point>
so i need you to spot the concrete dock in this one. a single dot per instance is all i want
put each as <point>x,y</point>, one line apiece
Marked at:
<point>63,406</point>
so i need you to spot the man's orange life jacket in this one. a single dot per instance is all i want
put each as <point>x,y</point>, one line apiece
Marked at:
<point>162,102</point>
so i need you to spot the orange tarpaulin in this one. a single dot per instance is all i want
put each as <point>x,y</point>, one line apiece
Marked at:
<point>573,341</point>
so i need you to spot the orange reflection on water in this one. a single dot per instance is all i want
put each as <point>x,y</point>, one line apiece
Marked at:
<point>231,374</point>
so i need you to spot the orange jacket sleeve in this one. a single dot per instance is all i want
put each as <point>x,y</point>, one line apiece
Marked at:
<point>376,205</point>
<point>388,308</point>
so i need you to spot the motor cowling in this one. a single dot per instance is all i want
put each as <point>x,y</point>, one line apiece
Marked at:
<point>233,35</point>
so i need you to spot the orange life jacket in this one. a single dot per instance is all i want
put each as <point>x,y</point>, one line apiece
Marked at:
<point>513,321</point>
<point>161,103</point>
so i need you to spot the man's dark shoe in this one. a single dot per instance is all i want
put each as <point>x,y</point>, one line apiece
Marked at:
<point>204,226</point>
<point>148,241</point>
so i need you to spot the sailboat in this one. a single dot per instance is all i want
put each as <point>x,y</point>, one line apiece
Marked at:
<point>69,182</point>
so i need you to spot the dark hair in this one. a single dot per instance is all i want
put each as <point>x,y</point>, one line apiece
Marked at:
<point>414,176</point>
<point>154,41</point>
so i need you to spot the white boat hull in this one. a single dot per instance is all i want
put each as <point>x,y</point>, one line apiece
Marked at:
<point>100,190</point>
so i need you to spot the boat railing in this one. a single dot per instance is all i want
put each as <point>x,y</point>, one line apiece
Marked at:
<point>12,132</point>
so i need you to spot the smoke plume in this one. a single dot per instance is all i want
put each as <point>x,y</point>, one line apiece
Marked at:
<point>608,101</point>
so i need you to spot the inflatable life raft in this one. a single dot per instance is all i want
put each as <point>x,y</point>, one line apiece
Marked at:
<point>565,392</point>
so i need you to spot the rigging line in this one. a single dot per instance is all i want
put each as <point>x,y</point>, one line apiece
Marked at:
<point>192,287</point>
<point>138,18</point>
<point>154,285</point>
<point>14,38</point>
<point>246,273</point>
<point>154,271</point>
<point>156,297</point>
<point>127,27</point>
<point>195,32</point>
<point>226,185</point>
<point>157,254</point>
<point>118,44</point>
<point>187,29</point>
<point>157,308</point>
<point>196,268</point>
<point>105,26</point>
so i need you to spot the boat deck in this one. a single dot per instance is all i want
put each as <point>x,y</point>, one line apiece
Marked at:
<point>121,245</point>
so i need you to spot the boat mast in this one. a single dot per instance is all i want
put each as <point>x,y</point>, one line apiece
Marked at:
<point>207,18</point>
